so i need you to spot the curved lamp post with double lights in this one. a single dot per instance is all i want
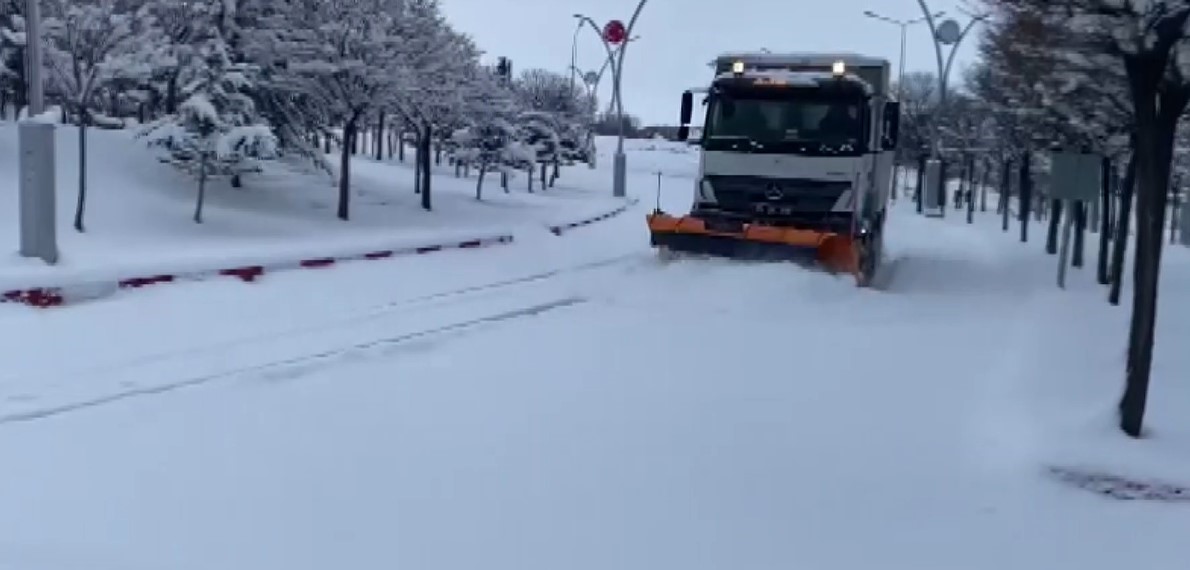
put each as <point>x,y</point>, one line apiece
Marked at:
<point>612,34</point>
<point>948,33</point>
<point>904,25</point>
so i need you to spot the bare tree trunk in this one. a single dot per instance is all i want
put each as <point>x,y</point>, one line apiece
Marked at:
<point>417,167</point>
<point>983,186</point>
<point>401,145</point>
<point>427,168</point>
<point>1173,213</point>
<point>1055,219</point>
<point>1157,114</point>
<point>1005,193</point>
<point>1105,172</point>
<point>970,196</point>
<point>479,183</point>
<point>380,137</point>
<point>202,186</point>
<point>345,170</point>
<point>81,205</point>
<point>1079,212</point>
<point>504,181</point>
<point>1025,199</point>
<point>544,172</point>
<point>171,93</point>
<point>1123,228</point>
<point>921,176</point>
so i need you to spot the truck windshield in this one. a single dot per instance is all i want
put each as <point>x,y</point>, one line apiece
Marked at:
<point>780,125</point>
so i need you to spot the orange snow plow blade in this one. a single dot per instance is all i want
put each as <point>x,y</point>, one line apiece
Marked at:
<point>691,234</point>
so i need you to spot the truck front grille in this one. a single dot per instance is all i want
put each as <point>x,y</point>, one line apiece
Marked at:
<point>748,194</point>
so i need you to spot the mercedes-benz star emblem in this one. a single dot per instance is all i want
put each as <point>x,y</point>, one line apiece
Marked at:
<point>773,192</point>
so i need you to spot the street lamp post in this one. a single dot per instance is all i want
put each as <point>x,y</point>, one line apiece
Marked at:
<point>948,33</point>
<point>574,54</point>
<point>598,76</point>
<point>620,170</point>
<point>33,56</point>
<point>904,25</point>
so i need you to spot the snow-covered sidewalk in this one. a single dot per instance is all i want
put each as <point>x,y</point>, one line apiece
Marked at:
<point>138,223</point>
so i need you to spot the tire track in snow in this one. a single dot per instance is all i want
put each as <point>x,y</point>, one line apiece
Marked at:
<point>296,366</point>
<point>379,311</point>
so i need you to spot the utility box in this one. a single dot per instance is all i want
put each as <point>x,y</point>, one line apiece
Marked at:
<point>931,194</point>
<point>38,206</point>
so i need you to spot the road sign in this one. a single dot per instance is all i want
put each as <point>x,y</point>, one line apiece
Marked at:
<point>615,32</point>
<point>948,32</point>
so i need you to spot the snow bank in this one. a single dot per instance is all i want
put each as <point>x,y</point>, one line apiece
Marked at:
<point>138,211</point>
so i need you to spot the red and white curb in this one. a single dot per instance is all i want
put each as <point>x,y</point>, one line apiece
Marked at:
<point>559,229</point>
<point>43,297</point>
<point>57,296</point>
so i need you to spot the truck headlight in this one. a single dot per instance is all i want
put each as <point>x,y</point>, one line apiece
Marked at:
<point>706,191</point>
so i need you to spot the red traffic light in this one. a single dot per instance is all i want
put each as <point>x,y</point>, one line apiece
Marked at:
<point>615,32</point>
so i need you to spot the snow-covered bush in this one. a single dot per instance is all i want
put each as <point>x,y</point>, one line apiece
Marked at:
<point>214,132</point>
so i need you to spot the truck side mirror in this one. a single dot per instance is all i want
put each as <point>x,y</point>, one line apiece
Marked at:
<point>687,108</point>
<point>892,125</point>
<point>683,133</point>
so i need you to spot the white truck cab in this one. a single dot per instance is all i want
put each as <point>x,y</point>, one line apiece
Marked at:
<point>796,140</point>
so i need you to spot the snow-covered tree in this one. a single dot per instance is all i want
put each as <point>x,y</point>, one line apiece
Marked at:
<point>87,47</point>
<point>440,66</point>
<point>539,131</point>
<point>12,56</point>
<point>491,142</point>
<point>343,55</point>
<point>1147,40</point>
<point>571,111</point>
<point>214,132</point>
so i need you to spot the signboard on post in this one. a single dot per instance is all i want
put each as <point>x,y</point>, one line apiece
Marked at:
<point>614,32</point>
<point>1074,176</point>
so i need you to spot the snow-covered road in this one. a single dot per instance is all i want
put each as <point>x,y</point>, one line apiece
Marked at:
<point>564,403</point>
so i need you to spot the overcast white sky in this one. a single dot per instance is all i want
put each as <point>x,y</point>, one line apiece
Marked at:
<point>679,37</point>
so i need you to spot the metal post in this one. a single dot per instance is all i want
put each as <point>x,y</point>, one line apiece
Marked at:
<point>37,191</point>
<point>620,163</point>
<point>37,187</point>
<point>574,55</point>
<point>944,67</point>
<point>1064,248</point>
<point>901,64</point>
<point>904,25</point>
<point>620,176</point>
<point>33,50</point>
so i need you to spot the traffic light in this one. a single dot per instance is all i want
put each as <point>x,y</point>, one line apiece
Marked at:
<point>504,68</point>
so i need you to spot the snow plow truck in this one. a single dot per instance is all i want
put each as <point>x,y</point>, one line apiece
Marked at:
<point>796,162</point>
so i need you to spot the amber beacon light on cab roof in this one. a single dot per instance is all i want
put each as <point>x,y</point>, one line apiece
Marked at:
<point>796,162</point>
